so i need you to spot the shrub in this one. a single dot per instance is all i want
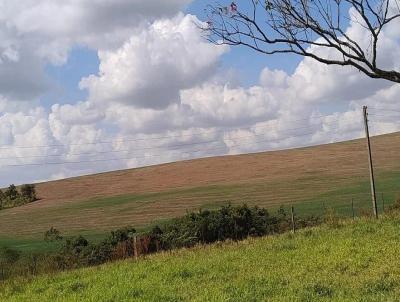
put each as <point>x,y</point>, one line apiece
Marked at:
<point>76,245</point>
<point>28,193</point>
<point>12,198</point>
<point>395,206</point>
<point>52,235</point>
<point>2,199</point>
<point>121,235</point>
<point>77,251</point>
<point>11,192</point>
<point>8,257</point>
<point>74,253</point>
<point>229,222</point>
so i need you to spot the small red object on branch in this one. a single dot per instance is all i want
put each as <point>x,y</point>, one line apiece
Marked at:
<point>233,7</point>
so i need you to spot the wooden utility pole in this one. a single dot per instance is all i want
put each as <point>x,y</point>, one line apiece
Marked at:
<point>371,166</point>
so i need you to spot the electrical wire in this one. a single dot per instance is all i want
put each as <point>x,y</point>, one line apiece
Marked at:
<point>154,138</point>
<point>170,147</point>
<point>155,155</point>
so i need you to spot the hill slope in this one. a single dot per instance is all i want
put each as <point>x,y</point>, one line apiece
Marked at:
<point>311,177</point>
<point>347,159</point>
<point>354,262</point>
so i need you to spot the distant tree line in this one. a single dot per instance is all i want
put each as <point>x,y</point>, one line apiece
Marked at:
<point>12,197</point>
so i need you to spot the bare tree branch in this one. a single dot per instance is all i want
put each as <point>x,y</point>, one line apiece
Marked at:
<point>301,26</point>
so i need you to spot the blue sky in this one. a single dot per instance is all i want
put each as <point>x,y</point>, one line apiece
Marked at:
<point>248,62</point>
<point>82,62</point>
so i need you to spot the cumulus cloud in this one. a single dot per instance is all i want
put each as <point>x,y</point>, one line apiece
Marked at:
<point>151,68</point>
<point>95,23</point>
<point>224,106</point>
<point>34,33</point>
<point>274,79</point>
<point>22,79</point>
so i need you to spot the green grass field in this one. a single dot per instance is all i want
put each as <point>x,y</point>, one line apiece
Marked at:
<point>357,261</point>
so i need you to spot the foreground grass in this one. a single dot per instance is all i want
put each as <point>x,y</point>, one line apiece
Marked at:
<point>353,262</point>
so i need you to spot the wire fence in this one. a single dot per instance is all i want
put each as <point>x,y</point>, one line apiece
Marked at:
<point>359,205</point>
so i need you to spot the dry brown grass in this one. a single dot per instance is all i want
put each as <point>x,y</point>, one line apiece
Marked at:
<point>269,178</point>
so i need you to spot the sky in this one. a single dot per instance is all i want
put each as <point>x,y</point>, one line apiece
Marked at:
<point>99,85</point>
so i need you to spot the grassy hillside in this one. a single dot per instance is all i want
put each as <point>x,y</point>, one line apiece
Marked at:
<point>312,178</point>
<point>357,261</point>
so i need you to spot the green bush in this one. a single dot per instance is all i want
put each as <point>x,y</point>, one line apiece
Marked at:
<point>8,257</point>
<point>235,223</point>
<point>11,192</point>
<point>28,193</point>
<point>395,206</point>
<point>121,235</point>
<point>52,235</point>
<point>11,197</point>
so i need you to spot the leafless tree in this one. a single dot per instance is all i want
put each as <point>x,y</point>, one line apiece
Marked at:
<point>301,26</point>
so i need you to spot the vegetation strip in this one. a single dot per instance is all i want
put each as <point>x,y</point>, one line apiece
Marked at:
<point>340,261</point>
<point>204,227</point>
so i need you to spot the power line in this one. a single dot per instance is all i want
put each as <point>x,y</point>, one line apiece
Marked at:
<point>160,147</point>
<point>175,146</point>
<point>154,155</point>
<point>176,136</point>
<point>384,109</point>
<point>394,115</point>
<point>149,148</point>
<point>155,138</point>
<point>135,157</point>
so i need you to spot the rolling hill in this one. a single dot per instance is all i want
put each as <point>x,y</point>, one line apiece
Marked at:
<point>311,178</point>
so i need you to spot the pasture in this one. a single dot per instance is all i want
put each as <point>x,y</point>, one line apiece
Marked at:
<point>313,179</point>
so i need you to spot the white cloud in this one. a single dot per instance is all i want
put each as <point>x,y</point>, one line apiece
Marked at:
<point>94,23</point>
<point>82,113</point>
<point>151,68</point>
<point>274,79</point>
<point>224,106</point>
<point>34,33</point>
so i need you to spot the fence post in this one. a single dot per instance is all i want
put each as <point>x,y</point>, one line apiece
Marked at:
<point>293,222</point>
<point>383,202</point>
<point>352,208</point>
<point>135,249</point>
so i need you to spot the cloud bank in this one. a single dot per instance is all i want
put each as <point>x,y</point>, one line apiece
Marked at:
<point>161,94</point>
